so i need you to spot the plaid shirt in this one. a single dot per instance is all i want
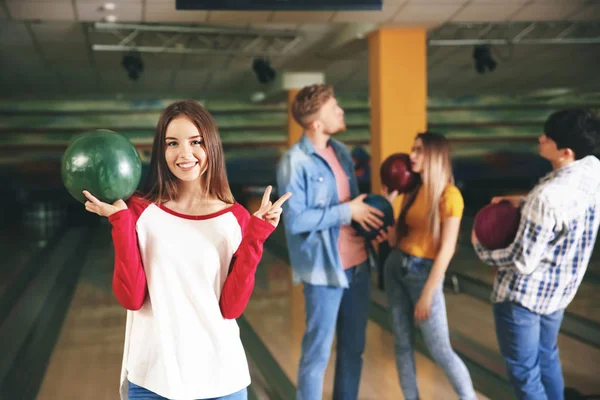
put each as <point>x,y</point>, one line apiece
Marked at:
<point>543,267</point>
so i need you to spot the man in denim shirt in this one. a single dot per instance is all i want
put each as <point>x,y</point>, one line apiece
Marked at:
<point>326,253</point>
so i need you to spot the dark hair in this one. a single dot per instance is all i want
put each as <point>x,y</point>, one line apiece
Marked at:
<point>574,128</point>
<point>161,185</point>
<point>309,101</point>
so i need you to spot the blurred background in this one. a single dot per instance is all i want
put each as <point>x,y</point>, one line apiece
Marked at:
<point>495,69</point>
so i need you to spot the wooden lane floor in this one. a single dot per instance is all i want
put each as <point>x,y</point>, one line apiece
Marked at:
<point>86,361</point>
<point>21,246</point>
<point>580,362</point>
<point>16,250</point>
<point>275,313</point>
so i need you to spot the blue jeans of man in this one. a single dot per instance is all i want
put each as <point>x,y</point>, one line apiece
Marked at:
<point>334,311</point>
<point>136,392</point>
<point>528,343</point>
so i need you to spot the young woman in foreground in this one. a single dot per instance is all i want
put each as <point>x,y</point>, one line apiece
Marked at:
<point>185,258</point>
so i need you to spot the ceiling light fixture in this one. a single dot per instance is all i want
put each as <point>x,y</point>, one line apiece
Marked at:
<point>133,64</point>
<point>109,6</point>
<point>263,70</point>
<point>483,59</point>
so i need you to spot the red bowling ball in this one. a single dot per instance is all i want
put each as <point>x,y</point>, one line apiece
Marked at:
<point>496,225</point>
<point>396,173</point>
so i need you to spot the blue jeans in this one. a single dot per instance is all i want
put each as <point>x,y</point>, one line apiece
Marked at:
<point>528,342</point>
<point>334,311</point>
<point>405,277</point>
<point>136,392</point>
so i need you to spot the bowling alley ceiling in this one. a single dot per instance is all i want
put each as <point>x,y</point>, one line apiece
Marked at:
<point>76,48</point>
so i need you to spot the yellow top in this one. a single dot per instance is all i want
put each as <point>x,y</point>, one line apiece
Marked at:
<point>419,241</point>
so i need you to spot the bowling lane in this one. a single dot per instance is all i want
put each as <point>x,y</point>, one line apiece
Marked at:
<point>15,250</point>
<point>474,319</point>
<point>19,244</point>
<point>86,360</point>
<point>276,313</point>
<point>22,240</point>
<point>38,224</point>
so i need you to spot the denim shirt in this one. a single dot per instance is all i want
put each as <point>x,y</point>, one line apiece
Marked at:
<point>313,215</point>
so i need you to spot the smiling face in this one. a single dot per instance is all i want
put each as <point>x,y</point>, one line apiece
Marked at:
<point>187,148</point>
<point>185,153</point>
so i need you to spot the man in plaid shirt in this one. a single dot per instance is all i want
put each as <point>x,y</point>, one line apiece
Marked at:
<point>540,272</point>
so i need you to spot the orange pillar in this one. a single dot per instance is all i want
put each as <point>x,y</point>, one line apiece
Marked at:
<point>398,93</point>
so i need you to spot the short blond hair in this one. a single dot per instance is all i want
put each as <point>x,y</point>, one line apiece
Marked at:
<point>309,101</point>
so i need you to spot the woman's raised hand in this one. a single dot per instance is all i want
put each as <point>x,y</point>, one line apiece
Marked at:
<point>271,212</point>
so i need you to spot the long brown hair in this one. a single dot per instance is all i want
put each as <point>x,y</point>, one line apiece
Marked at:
<point>436,175</point>
<point>161,185</point>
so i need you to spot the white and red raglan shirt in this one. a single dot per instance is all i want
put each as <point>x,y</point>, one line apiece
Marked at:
<point>184,279</point>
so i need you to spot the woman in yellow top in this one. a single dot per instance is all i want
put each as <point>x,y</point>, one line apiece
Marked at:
<point>423,243</point>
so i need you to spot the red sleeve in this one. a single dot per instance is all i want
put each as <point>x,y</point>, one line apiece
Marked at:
<point>240,281</point>
<point>129,278</point>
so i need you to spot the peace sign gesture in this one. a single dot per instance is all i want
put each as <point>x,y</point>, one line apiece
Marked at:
<point>271,212</point>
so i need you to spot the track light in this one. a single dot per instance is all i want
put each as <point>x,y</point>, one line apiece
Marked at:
<point>133,64</point>
<point>483,58</point>
<point>263,70</point>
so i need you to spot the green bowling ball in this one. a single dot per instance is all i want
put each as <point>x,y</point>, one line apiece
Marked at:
<point>103,162</point>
